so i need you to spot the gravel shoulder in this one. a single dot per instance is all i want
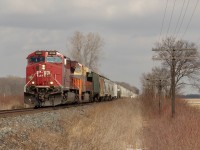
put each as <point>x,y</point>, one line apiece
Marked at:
<point>109,125</point>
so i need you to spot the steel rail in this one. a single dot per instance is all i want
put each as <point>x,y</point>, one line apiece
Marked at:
<point>6,113</point>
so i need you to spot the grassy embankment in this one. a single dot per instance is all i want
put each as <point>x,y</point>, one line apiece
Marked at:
<point>162,132</point>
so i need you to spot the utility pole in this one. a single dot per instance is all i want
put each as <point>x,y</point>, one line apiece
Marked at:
<point>173,87</point>
<point>173,72</point>
<point>159,85</point>
<point>160,92</point>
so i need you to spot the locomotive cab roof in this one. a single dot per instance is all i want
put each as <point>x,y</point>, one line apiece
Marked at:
<point>45,53</point>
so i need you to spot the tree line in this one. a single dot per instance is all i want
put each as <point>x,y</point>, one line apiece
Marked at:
<point>11,85</point>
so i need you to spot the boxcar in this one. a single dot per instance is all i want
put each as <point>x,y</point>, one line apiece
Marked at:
<point>94,79</point>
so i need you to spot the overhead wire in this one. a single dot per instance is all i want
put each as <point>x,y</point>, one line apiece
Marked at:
<point>176,35</point>
<point>181,12</point>
<point>171,18</point>
<point>181,19</point>
<point>190,19</point>
<point>163,20</point>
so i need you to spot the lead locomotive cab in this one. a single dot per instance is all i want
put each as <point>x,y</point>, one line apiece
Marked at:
<point>45,83</point>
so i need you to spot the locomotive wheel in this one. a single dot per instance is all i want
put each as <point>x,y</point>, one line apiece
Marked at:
<point>99,99</point>
<point>86,97</point>
<point>37,104</point>
<point>77,100</point>
<point>36,107</point>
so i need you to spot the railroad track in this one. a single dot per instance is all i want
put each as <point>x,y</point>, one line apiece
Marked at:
<point>16,110</point>
<point>24,111</point>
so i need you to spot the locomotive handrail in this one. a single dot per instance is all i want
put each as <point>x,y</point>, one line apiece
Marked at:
<point>57,81</point>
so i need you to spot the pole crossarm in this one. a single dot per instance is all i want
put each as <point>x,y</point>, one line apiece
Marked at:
<point>174,49</point>
<point>184,58</point>
<point>159,79</point>
<point>176,58</point>
<point>159,58</point>
<point>185,49</point>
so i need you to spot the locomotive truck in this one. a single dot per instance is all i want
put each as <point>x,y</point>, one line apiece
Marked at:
<point>54,79</point>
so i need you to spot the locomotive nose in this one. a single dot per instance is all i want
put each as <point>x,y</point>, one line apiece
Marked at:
<point>43,77</point>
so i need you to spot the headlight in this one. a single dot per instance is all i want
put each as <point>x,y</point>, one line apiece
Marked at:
<point>51,83</point>
<point>43,67</point>
<point>32,82</point>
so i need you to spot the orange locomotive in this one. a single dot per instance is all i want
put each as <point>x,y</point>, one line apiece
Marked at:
<point>53,79</point>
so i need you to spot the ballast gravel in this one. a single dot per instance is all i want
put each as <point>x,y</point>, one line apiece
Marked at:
<point>16,130</point>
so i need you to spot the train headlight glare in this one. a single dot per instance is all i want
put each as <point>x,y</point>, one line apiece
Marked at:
<point>51,83</point>
<point>32,82</point>
<point>43,67</point>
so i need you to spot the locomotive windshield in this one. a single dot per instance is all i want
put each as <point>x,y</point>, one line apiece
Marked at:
<point>54,59</point>
<point>35,59</point>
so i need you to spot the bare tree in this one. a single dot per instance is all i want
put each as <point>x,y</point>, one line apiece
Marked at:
<point>185,57</point>
<point>148,88</point>
<point>151,81</point>
<point>86,49</point>
<point>155,88</point>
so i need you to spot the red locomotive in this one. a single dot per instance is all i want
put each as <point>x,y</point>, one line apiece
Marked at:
<point>52,79</point>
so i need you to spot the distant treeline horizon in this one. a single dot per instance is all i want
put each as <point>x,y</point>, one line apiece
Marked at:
<point>190,96</point>
<point>12,85</point>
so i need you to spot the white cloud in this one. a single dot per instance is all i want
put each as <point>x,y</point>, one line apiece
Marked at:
<point>144,7</point>
<point>20,7</point>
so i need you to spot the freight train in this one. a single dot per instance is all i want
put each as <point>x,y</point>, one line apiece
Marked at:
<point>53,79</point>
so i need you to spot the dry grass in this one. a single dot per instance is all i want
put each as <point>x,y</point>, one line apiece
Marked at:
<point>166,133</point>
<point>11,102</point>
<point>113,125</point>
